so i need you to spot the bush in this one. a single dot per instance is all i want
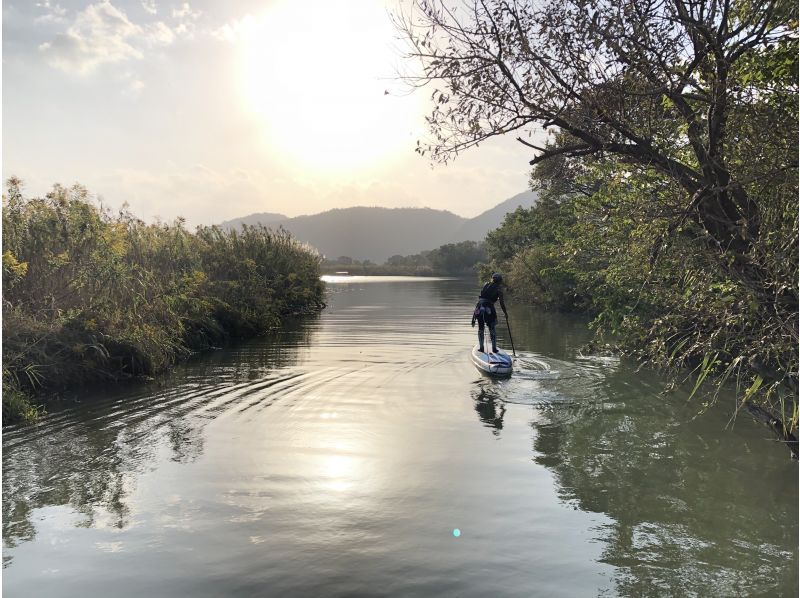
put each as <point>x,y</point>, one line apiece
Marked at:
<point>93,295</point>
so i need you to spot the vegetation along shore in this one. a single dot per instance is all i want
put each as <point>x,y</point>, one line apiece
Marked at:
<point>668,178</point>
<point>91,295</point>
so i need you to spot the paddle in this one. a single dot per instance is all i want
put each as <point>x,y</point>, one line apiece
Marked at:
<point>509,335</point>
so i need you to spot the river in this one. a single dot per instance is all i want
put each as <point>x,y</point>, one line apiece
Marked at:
<point>360,453</point>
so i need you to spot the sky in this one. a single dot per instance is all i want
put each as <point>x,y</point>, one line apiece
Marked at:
<point>213,110</point>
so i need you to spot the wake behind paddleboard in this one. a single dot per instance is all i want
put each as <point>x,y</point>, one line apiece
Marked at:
<point>497,364</point>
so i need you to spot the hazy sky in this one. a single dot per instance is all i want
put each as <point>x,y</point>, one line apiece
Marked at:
<point>217,109</point>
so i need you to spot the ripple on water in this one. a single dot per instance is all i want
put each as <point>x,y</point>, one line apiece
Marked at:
<point>542,381</point>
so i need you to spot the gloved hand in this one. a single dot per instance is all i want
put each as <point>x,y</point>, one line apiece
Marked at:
<point>473,322</point>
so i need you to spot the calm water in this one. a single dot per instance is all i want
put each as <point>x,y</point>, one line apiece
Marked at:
<point>361,454</point>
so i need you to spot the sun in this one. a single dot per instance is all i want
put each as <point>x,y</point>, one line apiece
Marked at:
<point>316,73</point>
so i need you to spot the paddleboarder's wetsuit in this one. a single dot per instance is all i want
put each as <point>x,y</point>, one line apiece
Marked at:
<point>485,313</point>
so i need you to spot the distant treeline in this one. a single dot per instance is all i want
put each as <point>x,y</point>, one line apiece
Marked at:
<point>451,259</point>
<point>91,295</point>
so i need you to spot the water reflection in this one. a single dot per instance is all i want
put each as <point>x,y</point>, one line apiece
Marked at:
<point>691,508</point>
<point>489,407</point>
<point>87,454</point>
<point>681,523</point>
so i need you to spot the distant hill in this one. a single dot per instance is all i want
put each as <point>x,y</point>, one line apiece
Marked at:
<point>378,233</point>
<point>475,229</point>
<point>265,218</point>
<point>369,233</point>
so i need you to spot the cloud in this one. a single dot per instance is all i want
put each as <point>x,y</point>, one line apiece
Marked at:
<point>159,34</point>
<point>101,33</point>
<point>201,193</point>
<point>135,87</point>
<point>186,18</point>
<point>55,8</point>
<point>185,11</point>
<point>150,6</point>
<point>231,32</point>
<point>55,13</point>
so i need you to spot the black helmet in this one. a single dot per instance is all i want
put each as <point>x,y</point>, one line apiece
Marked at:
<point>496,277</point>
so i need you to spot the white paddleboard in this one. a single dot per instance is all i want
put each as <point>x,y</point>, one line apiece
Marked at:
<point>498,364</point>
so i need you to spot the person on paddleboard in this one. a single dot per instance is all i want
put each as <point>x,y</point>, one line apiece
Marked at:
<point>485,313</point>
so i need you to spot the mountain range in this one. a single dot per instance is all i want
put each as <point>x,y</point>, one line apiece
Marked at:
<point>378,233</point>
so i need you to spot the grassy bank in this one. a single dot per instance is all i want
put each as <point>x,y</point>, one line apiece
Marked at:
<point>92,295</point>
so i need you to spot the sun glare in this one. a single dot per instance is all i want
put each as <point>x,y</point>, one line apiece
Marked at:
<point>316,73</point>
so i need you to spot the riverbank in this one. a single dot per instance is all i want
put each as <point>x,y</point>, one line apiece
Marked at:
<point>674,304</point>
<point>90,295</point>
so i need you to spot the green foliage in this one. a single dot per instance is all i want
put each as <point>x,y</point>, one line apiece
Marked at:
<point>90,295</point>
<point>456,258</point>
<point>17,406</point>
<point>519,230</point>
<point>670,169</point>
<point>653,282</point>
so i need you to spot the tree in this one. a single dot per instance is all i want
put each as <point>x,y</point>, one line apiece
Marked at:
<point>674,120</point>
<point>456,258</point>
<point>616,77</point>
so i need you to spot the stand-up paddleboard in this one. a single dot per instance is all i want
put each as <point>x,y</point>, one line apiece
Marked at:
<point>497,364</point>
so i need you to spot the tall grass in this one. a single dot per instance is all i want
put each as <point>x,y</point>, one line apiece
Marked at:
<point>90,294</point>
